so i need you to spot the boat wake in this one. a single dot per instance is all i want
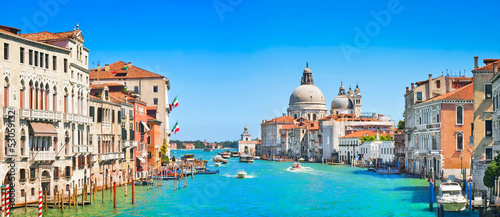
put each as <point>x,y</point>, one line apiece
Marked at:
<point>236,176</point>
<point>301,170</point>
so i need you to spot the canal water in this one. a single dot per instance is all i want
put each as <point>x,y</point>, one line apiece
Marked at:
<point>270,190</point>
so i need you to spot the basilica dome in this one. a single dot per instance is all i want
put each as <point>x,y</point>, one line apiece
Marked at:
<point>307,93</point>
<point>342,102</point>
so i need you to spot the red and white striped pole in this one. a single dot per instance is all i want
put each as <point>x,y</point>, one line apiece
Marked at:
<point>7,201</point>
<point>3,203</point>
<point>40,203</point>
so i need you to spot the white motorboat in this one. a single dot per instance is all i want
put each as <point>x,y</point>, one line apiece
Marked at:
<point>218,164</point>
<point>296,166</point>
<point>301,159</point>
<point>245,158</point>
<point>450,196</point>
<point>242,174</point>
<point>256,158</point>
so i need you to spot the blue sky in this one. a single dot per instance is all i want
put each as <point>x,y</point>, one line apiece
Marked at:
<point>236,62</point>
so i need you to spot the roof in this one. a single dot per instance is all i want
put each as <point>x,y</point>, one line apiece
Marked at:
<point>46,36</point>
<point>489,65</point>
<point>359,134</point>
<point>281,120</point>
<point>100,86</point>
<point>117,70</point>
<point>346,117</point>
<point>464,93</point>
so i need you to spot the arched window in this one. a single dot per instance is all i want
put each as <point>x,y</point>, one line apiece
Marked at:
<point>295,116</point>
<point>438,84</point>
<point>314,117</point>
<point>460,114</point>
<point>460,141</point>
<point>6,92</point>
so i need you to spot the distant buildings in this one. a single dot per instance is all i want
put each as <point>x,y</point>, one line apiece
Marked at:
<point>189,146</point>
<point>383,150</point>
<point>349,145</point>
<point>246,145</point>
<point>309,132</point>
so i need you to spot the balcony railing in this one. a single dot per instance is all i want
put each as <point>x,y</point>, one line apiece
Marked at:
<point>126,144</point>
<point>68,117</point>
<point>43,155</point>
<point>144,154</point>
<point>109,156</point>
<point>8,111</point>
<point>90,149</point>
<point>134,144</point>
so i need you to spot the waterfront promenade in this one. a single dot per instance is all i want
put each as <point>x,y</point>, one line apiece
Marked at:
<point>271,190</point>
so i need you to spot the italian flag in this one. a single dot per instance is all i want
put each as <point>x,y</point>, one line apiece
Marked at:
<point>176,128</point>
<point>175,103</point>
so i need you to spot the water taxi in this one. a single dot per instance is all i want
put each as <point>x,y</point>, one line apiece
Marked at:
<point>245,158</point>
<point>235,154</point>
<point>450,196</point>
<point>217,164</point>
<point>226,154</point>
<point>242,174</point>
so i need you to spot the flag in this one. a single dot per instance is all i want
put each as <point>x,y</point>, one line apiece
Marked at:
<point>175,103</point>
<point>170,107</point>
<point>176,128</point>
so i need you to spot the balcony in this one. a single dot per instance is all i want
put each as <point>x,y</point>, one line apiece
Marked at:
<point>90,149</point>
<point>75,149</point>
<point>68,117</point>
<point>8,111</point>
<point>126,144</point>
<point>43,155</point>
<point>109,156</point>
<point>144,154</point>
<point>76,117</point>
<point>134,144</point>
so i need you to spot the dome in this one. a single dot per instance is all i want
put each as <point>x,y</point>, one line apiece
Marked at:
<point>307,94</point>
<point>342,102</point>
<point>307,70</point>
<point>349,93</point>
<point>357,91</point>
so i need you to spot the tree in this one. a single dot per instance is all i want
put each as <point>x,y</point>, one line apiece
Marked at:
<point>401,125</point>
<point>164,148</point>
<point>489,174</point>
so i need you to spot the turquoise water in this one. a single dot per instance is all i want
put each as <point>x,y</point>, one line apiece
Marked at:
<point>272,190</point>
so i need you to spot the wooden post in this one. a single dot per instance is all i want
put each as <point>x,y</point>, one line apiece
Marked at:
<point>45,200</point>
<point>26,201</point>
<point>133,189</point>
<point>114,194</point>
<point>102,187</point>
<point>111,188</point>
<point>69,198</point>
<point>91,192</point>
<point>76,196</point>
<point>62,201</point>
<point>55,199</point>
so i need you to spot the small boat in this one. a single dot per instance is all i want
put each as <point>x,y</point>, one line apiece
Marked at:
<point>218,158</point>
<point>301,159</point>
<point>242,174</point>
<point>235,154</point>
<point>207,149</point>
<point>226,155</point>
<point>256,158</point>
<point>207,172</point>
<point>450,196</point>
<point>296,166</point>
<point>245,158</point>
<point>224,161</point>
<point>217,164</point>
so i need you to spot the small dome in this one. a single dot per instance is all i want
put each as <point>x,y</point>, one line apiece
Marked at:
<point>342,102</point>
<point>246,128</point>
<point>307,70</point>
<point>307,94</point>
<point>357,91</point>
<point>349,93</point>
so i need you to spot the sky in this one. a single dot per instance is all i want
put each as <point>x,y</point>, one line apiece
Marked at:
<point>233,63</point>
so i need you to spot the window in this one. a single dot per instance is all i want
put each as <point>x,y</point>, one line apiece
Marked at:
<point>155,101</point>
<point>65,65</point>
<point>419,95</point>
<point>438,84</point>
<point>6,51</point>
<point>489,153</point>
<point>91,111</point>
<point>30,57</point>
<point>54,63</point>
<point>36,58</point>
<point>460,114</point>
<point>99,115</point>
<point>136,89</point>
<point>21,55</point>
<point>155,89</point>
<point>46,61</point>
<point>487,91</point>
<point>460,141</point>
<point>32,173</point>
<point>488,128</point>
<point>41,59</point>
<point>22,174</point>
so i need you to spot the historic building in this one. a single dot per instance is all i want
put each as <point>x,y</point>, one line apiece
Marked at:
<point>301,139</point>
<point>436,125</point>
<point>399,148</point>
<point>45,112</point>
<point>349,145</point>
<point>349,103</point>
<point>151,88</point>
<point>246,145</point>
<point>271,136</point>
<point>484,117</point>
<point>378,150</point>
<point>307,100</point>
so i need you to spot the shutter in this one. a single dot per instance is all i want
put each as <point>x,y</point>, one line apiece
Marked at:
<point>99,115</point>
<point>92,111</point>
<point>119,116</point>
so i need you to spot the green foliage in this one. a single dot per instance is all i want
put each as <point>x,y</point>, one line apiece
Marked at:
<point>179,144</point>
<point>492,171</point>
<point>164,148</point>
<point>229,144</point>
<point>401,125</point>
<point>173,158</point>
<point>374,138</point>
<point>165,161</point>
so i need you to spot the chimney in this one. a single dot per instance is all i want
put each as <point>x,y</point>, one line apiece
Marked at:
<point>106,67</point>
<point>407,89</point>
<point>429,94</point>
<point>476,58</point>
<point>495,68</point>
<point>129,64</point>
<point>412,86</point>
<point>98,67</point>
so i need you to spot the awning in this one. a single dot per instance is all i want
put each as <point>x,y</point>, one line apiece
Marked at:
<point>146,128</point>
<point>141,159</point>
<point>43,129</point>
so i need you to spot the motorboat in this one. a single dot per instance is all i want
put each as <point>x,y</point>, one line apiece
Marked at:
<point>224,161</point>
<point>301,159</point>
<point>218,158</point>
<point>256,158</point>
<point>450,196</point>
<point>235,154</point>
<point>207,149</point>
<point>226,155</point>
<point>217,164</point>
<point>242,174</point>
<point>296,166</point>
<point>245,158</point>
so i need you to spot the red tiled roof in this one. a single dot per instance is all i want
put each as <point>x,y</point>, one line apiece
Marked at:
<point>117,70</point>
<point>45,36</point>
<point>359,134</point>
<point>100,86</point>
<point>281,119</point>
<point>463,93</point>
<point>489,65</point>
